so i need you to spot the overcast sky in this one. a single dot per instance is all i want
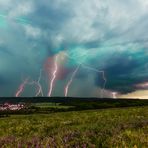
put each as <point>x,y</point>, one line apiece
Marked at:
<point>107,39</point>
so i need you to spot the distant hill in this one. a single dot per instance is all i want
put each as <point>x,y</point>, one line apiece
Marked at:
<point>73,104</point>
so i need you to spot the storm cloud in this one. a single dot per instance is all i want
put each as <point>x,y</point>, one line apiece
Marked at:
<point>109,36</point>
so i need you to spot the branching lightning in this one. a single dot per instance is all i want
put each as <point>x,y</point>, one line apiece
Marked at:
<point>70,81</point>
<point>93,69</point>
<point>37,85</point>
<point>39,90</point>
<point>21,88</point>
<point>103,76</point>
<point>26,82</point>
<point>53,75</point>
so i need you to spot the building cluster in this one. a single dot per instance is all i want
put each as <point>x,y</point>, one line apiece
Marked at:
<point>11,107</point>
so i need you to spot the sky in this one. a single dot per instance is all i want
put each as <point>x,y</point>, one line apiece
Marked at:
<point>96,48</point>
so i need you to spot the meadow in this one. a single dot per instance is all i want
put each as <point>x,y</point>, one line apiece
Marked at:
<point>95,128</point>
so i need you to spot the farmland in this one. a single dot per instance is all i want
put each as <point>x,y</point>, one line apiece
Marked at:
<point>110,127</point>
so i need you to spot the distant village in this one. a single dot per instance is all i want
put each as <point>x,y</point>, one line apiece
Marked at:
<point>12,107</point>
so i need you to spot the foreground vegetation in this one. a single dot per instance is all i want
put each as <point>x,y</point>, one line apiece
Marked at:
<point>126,127</point>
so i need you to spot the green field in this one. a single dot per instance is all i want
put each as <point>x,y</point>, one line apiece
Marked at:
<point>51,106</point>
<point>116,127</point>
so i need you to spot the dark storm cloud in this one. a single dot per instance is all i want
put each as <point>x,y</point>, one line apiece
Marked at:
<point>125,71</point>
<point>107,35</point>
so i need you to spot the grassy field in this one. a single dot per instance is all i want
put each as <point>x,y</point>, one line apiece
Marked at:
<point>51,105</point>
<point>126,127</point>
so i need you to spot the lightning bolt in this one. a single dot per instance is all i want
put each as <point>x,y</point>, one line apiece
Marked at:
<point>21,88</point>
<point>103,76</point>
<point>40,90</point>
<point>26,82</point>
<point>38,85</point>
<point>53,75</point>
<point>70,81</point>
<point>93,69</point>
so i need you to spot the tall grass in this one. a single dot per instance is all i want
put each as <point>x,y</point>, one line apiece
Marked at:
<point>126,127</point>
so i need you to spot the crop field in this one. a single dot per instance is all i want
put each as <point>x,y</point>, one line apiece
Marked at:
<point>96,128</point>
